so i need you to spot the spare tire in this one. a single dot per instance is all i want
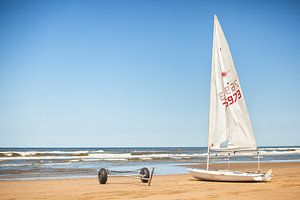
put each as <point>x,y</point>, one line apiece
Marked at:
<point>145,174</point>
<point>102,176</point>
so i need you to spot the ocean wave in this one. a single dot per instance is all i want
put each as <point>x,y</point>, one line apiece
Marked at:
<point>75,156</point>
<point>15,165</point>
<point>30,154</point>
<point>288,149</point>
<point>150,152</point>
<point>39,171</point>
<point>51,164</point>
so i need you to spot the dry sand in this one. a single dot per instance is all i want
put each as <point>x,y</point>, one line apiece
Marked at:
<point>285,185</point>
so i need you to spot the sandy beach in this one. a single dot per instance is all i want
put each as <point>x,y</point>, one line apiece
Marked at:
<point>285,185</point>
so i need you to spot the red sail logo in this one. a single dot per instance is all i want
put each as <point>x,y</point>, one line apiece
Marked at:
<point>224,74</point>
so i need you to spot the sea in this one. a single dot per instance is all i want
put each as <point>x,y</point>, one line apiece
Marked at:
<point>48,163</point>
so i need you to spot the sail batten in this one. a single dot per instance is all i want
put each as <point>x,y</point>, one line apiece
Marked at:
<point>229,123</point>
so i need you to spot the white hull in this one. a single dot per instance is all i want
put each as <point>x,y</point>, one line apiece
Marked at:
<point>230,176</point>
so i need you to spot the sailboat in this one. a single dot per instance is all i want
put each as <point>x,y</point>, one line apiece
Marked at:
<point>230,128</point>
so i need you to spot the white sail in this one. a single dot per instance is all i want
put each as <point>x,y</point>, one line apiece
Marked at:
<point>229,123</point>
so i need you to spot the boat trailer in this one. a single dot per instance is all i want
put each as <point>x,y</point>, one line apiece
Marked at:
<point>143,174</point>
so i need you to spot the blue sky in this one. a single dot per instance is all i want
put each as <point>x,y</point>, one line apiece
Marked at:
<point>137,72</point>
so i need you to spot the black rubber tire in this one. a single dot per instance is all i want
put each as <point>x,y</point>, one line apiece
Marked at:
<point>145,174</point>
<point>102,176</point>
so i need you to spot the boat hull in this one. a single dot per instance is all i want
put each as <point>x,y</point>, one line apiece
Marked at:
<point>230,176</point>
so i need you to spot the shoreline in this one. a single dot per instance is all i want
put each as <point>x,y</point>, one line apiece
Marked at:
<point>217,166</point>
<point>285,184</point>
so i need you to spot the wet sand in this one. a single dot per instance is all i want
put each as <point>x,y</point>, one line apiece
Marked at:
<point>285,184</point>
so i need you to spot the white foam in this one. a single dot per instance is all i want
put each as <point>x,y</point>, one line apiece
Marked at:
<point>76,156</point>
<point>15,165</point>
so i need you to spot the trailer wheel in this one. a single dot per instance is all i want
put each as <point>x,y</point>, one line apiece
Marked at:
<point>102,176</point>
<point>145,174</point>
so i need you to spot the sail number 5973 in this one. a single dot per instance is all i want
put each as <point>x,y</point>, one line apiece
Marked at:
<point>230,99</point>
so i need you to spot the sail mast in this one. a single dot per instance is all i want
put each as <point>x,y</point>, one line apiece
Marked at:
<point>211,92</point>
<point>207,161</point>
